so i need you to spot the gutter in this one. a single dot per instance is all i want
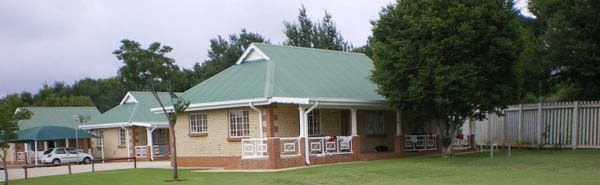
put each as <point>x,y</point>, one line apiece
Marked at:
<point>260,119</point>
<point>306,149</point>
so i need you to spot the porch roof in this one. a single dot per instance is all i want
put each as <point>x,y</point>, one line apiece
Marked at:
<point>272,73</point>
<point>134,109</point>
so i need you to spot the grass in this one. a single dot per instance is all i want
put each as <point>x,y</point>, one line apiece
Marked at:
<point>524,167</point>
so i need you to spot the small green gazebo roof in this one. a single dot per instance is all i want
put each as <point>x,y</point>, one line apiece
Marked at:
<point>133,109</point>
<point>45,133</point>
<point>55,116</point>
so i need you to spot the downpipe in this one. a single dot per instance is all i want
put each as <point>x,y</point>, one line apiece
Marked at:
<point>306,148</point>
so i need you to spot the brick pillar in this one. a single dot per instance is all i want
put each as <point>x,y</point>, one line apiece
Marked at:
<point>399,145</point>
<point>274,151</point>
<point>356,147</point>
<point>148,153</point>
<point>269,118</point>
<point>302,149</point>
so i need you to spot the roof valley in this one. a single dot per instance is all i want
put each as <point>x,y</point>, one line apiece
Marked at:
<point>269,79</point>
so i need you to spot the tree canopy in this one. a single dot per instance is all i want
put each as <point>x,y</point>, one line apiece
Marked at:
<point>446,61</point>
<point>571,38</point>
<point>311,34</point>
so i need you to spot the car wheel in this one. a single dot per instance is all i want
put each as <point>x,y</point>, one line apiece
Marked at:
<point>87,160</point>
<point>56,161</point>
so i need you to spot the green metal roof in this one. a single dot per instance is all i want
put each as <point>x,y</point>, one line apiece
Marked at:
<point>55,116</point>
<point>43,133</point>
<point>292,72</point>
<point>135,111</point>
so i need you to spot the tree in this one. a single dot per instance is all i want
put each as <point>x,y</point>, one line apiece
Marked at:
<point>151,70</point>
<point>322,35</point>
<point>8,130</point>
<point>222,54</point>
<point>105,93</point>
<point>571,40</point>
<point>446,61</point>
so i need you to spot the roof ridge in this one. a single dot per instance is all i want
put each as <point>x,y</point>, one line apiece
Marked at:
<point>61,107</point>
<point>305,48</point>
<point>214,76</point>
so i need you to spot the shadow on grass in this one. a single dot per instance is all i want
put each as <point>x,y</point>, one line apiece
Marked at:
<point>178,180</point>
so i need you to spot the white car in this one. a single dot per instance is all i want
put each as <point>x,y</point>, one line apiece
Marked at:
<point>66,155</point>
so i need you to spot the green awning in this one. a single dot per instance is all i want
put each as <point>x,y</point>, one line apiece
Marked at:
<point>45,133</point>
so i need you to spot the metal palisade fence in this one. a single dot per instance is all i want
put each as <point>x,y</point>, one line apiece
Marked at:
<point>550,125</point>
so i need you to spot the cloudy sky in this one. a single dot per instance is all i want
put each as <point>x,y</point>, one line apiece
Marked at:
<point>65,40</point>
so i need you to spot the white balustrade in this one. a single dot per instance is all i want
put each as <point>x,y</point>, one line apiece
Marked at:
<point>290,146</point>
<point>330,145</point>
<point>254,148</point>
<point>420,142</point>
<point>140,151</point>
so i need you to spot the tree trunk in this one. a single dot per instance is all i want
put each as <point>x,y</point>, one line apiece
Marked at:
<point>448,131</point>
<point>4,154</point>
<point>173,151</point>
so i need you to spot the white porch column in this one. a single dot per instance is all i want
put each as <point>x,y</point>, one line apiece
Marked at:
<point>353,121</point>
<point>67,143</point>
<point>102,145</point>
<point>302,120</point>
<point>35,156</point>
<point>150,142</point>
<point>27,152</point>
<point>45,145</point>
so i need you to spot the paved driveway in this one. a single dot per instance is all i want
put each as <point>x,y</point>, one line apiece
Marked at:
<point>18,172</point>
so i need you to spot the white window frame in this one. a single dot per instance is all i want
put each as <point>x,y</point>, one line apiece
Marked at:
<point>314,130</point>
<point>375,123</point>
<point>239,124</point>
<point>122,137</point>
<point>198,123</point>
<point>100,134</point>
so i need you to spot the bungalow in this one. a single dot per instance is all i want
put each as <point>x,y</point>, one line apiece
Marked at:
<point>130,129</point>
<point>282,106</point>
<point>58,119</point>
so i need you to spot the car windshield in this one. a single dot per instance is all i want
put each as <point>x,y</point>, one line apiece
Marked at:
<point>48,151</point>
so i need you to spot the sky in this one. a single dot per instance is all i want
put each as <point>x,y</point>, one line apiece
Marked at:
<point>66,40</point>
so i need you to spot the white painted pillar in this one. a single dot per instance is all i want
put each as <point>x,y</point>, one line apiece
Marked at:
<point>67,143</point>
<point>150,142</point>
<point>398,122</point>
<point>353,121</point>
<point>302,121</point>
<point>13,152</point>
<point>26,146</point>
<point>45,145</point>
<point>35,156</point>
<point>102,146</point>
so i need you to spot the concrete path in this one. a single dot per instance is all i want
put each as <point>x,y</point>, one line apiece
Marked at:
<point>18,172</point>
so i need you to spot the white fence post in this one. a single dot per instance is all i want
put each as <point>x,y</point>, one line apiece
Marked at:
<point>575,125</point>
<point>520,124</point>
<point>540,123</point>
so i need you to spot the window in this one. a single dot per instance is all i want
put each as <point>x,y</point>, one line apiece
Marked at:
<point>122,136</point>
<point>159,136</point>
<point>60,151</point>
<point>314,122</point>
<point>374,123</point>
<point>71,151</point>
<point>198,123</point>
<point>100,134</point>
<point>238,124</point>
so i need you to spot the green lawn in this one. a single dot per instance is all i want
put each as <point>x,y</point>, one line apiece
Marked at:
<point>524,167</point>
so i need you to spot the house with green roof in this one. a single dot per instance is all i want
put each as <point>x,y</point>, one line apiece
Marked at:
<point>62,120</point>
<point>283,106</point>
<point>130,129</point>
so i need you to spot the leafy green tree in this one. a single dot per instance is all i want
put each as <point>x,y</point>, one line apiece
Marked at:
<point>571,40</point>
<point>9,130</point>
<point>446,61</point>
<point>222,54</point>
<point>150,69</point>
<point>322,35</point>
<point>105,93</point>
